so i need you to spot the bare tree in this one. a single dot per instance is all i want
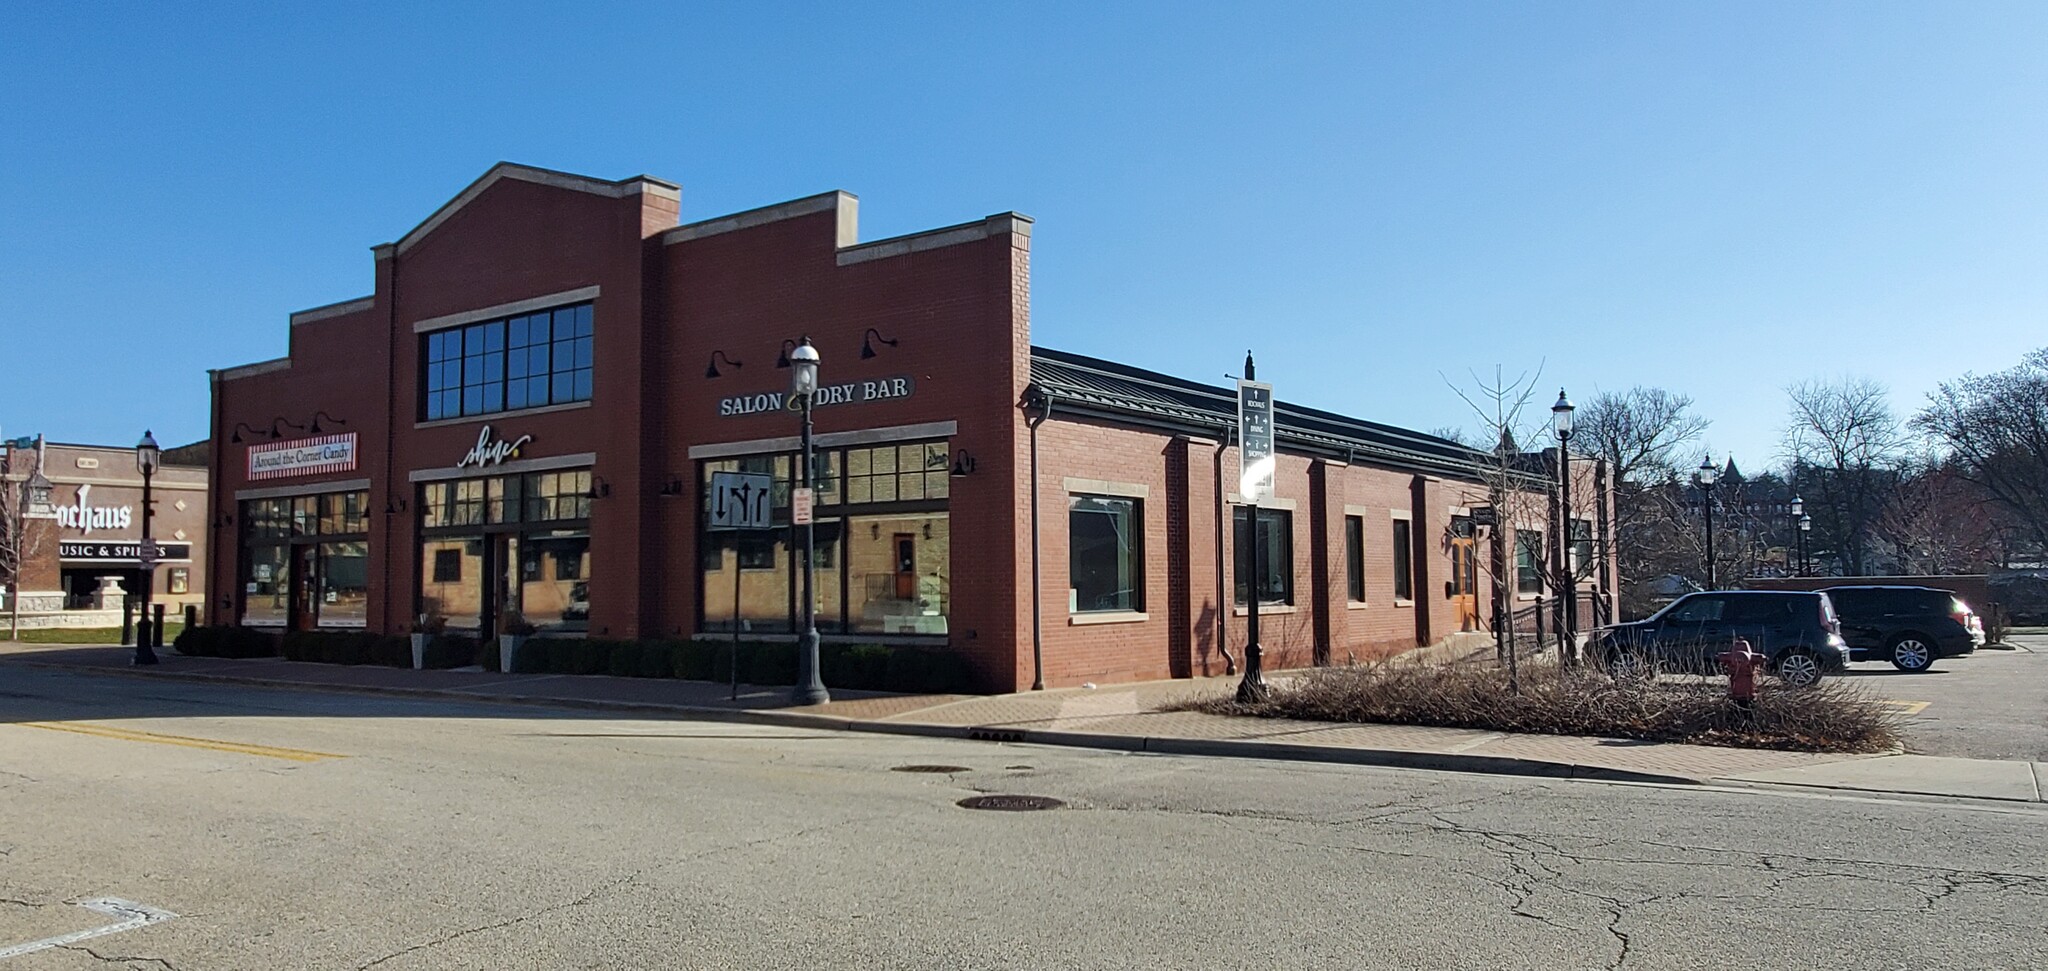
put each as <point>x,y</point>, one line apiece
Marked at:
<point>18,544</point>
<point>1939,522</point>
<point>1514,489</point>
<point>1845,447</point>
<point>1641,434</point>
<point>1995,427</point>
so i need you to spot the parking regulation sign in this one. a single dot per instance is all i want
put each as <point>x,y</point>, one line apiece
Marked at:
<point>1255,442</point>
<point>800,502</point>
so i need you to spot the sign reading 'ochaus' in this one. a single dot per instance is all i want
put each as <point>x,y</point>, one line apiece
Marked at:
<point>850,393</point>
<point>303,456</point>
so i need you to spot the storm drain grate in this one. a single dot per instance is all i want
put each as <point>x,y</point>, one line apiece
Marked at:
<point>945,769</point>
<point>1014,804</point>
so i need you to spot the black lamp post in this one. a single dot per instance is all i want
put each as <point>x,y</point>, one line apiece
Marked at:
<point>1805,550</point>
<point>148,458</point>
<point>1799,538</point>
<point>1568,580</point>
<point>803,385</point>
<point>1704,478</point>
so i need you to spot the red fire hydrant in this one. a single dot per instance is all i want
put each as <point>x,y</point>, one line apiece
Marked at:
<point>1744,665</point>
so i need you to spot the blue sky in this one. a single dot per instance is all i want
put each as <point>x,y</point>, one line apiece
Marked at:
<point>1716,199</point>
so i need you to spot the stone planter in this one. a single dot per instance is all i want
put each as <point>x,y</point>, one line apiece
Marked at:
<point>508,648</point>
<point>419,650</point>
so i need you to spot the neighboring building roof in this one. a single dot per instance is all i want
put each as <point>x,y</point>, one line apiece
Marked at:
<point>1106,389</point>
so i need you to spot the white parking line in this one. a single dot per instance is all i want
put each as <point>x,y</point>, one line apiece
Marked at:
<point>133,915</point>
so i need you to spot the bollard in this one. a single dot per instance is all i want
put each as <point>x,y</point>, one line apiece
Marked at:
<point>156,633</point>
<point>1743,666</point>
<point>127,622</point>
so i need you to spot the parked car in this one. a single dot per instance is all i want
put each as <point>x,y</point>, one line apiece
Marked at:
<point>1912,627</point>
<point>1796,630</point>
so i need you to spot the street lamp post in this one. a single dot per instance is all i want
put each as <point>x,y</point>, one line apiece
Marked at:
<point>1805,550</point>
<point>1704,478</point>
<point>1799,513</point>
<point>1568,581</point>
<point>803,387</point>
<point>148,458</point>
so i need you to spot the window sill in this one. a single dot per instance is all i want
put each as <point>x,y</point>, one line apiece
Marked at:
<point>1108,617</point>
<point>1265,609</point>
<point>1528,597</point>
<point>1356,605</point>
<point>499,415</point>
<point>1398,602</point>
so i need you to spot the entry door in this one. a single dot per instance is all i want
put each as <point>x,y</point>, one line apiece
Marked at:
<point>305,605</point>
<point>1465,581</point>
<point>906,566</point>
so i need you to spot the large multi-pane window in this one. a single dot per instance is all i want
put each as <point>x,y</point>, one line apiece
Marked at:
<point>495,547</point>
<point>1273,546</point>
<point>1528,561</point>
<point>1104,554</point>
<point>1404,558</point>
<point>306,559</point>
<point>525,361</point>
<point>1354,558</point>
<point>884,544</point>
<point>1582,547</point>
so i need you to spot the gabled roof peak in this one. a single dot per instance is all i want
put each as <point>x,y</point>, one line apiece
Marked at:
<point>635,185</point>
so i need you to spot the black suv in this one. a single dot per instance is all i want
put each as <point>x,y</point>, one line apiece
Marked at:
<point>1912,627</point>
<point>1795,630</point>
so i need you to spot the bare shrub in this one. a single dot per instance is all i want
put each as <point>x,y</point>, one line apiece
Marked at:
<point>1830,717</point>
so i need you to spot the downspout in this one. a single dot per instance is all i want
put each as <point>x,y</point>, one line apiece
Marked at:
<point>1222,605</point>
<point>1036,397</point>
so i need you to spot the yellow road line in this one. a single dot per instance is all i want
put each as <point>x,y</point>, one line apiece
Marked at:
<point>130,735</point>
<point>1910,708</point>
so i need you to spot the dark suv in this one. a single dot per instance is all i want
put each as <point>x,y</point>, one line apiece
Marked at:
<point>1912,627</point>
<point>1797,631</point>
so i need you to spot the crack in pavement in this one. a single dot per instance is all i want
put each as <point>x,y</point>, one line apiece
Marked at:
<point>615,885</point>
<point>129,960</point>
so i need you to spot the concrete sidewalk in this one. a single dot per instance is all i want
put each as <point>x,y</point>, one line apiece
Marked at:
<point>1122,717</point>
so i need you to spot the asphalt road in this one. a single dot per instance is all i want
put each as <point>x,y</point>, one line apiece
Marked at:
<point>326,831</point>
<point>1989,705</point>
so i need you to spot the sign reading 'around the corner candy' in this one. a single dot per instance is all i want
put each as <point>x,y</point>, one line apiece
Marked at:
<point>303,456</point>
<point>849,393</point>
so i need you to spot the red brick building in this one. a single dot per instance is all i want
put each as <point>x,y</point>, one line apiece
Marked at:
<point>528,411</point>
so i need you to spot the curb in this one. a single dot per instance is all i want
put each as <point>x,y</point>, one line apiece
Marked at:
<point>1207,747</point>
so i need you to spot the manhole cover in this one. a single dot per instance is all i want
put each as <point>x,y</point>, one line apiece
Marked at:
<point>1015,804</point>
<point>947,769</point>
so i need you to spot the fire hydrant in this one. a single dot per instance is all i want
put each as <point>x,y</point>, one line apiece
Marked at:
<point>1744,665</point>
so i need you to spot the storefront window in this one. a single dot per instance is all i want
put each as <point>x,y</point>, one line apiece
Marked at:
<point>497,545</point>
<point>452,579</point>
<point>1528,561</point>
<point>1103,554</point>
<point>306,560</point>
<point>344,584</point>
<point>886,571</point>
<point>268,586</point>
<point>554,580</point>
<point>897,573</point>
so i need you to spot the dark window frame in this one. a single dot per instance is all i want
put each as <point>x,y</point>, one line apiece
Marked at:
<point>1354,558</point>
<point>1133,551</point>
<point>470,370</point>
<point>1404,559</point>
<point>1279,524</point>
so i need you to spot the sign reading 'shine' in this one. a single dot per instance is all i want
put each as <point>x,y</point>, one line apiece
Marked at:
<point>303,456</point>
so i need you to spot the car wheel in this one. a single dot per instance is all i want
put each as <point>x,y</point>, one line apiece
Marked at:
<point>1912,653</point>
<point>1799,669</point>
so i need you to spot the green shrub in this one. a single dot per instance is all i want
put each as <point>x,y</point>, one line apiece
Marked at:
<point>657,660</point>
<point>696,660</point>
<point>622,658</point>
<point>561,655</point>
<point>532,656</point>
<point>226,640</point>
<point>773,662</point>
<point>487,653</point>
<point>590,657</point>
<point>724,659</point>
<point>450,651</point>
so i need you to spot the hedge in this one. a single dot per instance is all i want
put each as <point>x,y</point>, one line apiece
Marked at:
<point>225,641</point>
<point>873,667</point>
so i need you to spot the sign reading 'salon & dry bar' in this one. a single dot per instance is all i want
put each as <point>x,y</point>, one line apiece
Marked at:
<point>848,393</point>
<point>303,456</point>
